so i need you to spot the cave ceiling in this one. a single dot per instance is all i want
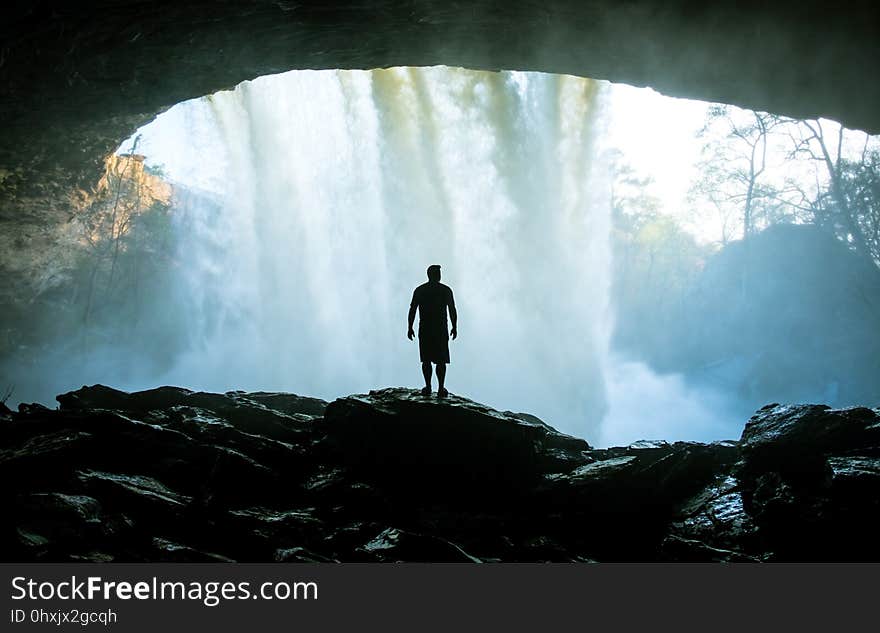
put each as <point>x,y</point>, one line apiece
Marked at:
<point>78,78</point>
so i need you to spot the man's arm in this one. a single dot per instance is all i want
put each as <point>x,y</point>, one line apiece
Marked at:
<point>412,316</point>
<point>453,315</point>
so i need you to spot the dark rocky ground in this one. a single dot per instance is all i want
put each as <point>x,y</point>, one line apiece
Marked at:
<point>174,475</point>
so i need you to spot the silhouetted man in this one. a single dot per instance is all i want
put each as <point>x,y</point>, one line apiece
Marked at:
<point>432,300</point>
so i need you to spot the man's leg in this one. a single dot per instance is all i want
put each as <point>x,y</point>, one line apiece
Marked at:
<point>441,377</point>
<point>426,372</point>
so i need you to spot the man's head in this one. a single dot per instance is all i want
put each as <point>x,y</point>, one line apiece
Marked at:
<point>434,272</point>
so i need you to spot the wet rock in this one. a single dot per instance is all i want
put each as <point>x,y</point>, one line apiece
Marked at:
<point>207,428</point>
<point>562,460</point>
<point>346,539</point>
<point>394,545</point>
<point>166,551</point>
<point>26,546</point>
<point>713,526</point>
<point>619,506</point>
<point>63,527</point>
<point>174,475</point>
<point>235,478</point>
<point>451,446</point>
<point>92,557</point>
<point>286,402</point>
<point>795,438</point>
<point>855,474</point>
<point>543,549</point>
<point>602,471</point>
<point>279,526</point>
<point>34,407</point>
<point>44,458</point>
<point>680,549</point>
<point>133,492</point>
<point>658,472</point>
<point>103,397</point>
<point>809,481</point>
<point>82,507</point>
<point>51,524</point>
<point>830,518</point>
<point>236,408</point>
<point>300,555</point>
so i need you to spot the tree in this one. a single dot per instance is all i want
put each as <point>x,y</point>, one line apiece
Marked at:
<point>655,264</point>
<point>845,196</point>
<point>121,229</point>
<point>733,169</point>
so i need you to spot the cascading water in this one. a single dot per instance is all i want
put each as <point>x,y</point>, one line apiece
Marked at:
<point>332,191</point>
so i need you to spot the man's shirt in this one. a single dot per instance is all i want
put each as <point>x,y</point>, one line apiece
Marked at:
<point>433,299</point>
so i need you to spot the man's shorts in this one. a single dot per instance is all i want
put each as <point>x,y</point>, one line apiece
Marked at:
<point>434,346</point>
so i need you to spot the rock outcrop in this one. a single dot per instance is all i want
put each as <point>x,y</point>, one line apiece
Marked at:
<point>174,475</point>
<point>57,237</point>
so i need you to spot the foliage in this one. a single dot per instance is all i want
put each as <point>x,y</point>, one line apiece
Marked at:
<point>734,165</point>
<point>860,186</point>
<point>759,169</point>
<point>845,198</point>
<point>656,262</point>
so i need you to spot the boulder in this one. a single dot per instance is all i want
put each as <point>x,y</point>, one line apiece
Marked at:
<point>713,526</point>
<point>619,506</point>
<point>795,438</point>
<point>451,446</point>
<point>810,482</point>
<point>256,414</point>
<point>394,545</point>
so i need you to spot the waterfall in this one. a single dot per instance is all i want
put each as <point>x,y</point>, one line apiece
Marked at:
<point>325,196</point>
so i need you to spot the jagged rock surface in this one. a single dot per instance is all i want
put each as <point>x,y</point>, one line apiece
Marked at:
<point>174,475</point>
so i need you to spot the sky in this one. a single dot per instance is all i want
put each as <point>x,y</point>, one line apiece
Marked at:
<point>657,136</point>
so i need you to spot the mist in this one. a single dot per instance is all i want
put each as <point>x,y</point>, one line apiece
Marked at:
<point>308,205</point>
<point>325,196</point>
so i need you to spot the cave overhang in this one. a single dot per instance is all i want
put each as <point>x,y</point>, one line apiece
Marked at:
<point>78,78</point>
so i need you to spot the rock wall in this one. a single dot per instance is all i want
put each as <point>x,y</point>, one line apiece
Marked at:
<point>78,78</point>
<point>49,231</point>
